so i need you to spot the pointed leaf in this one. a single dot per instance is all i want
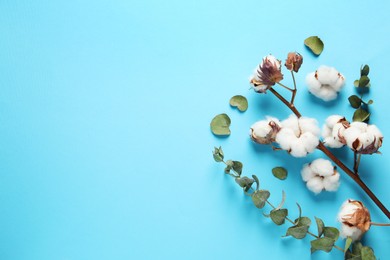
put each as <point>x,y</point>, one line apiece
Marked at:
<point>229,166</point>
<point>237,167</point>
<point>348,243</point>
<point>357,248</point>
<point>367,253</point>
<point>323,243</point>
<point>218,154</point>
<point>300,214</point>
<point>240,102</point>
<point>365,70</point>
<point>220,125</point>
<point>280,173</point>
<point>363,81</point>
<point>297,232</point>
<point>360,115</point>
<point>278,216</point>
<point>260,197</point>
<point>331,232</point>
<point>320,226</point>
<point>257,181</point>
<point>314,44</point>
<point>355,101</point>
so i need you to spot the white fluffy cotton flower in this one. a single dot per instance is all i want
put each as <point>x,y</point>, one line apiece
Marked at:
<point>363,138</point>
<point>325,83</point>
<point>354,218</point>
<point>320,175</point>
<point>333,131</point>
<point>264,131</point>
<point>298,136</point>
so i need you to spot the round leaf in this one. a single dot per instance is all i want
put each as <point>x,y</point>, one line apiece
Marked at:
<point>279,216</point>
<point>370,102</point>
<point>260,197</point>
<point>323,243</point>
<point>315,44</point>
<point>297,232</point>
<point>280,173</point>
<point>355,101</point>
<point>240,102</point>
<point>220,125</point>
<point>360,115</point>
<point>331,232</point>
<point>367,253</point>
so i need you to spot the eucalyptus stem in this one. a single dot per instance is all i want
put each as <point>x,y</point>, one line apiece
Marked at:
<point>380,224</point>
<point>331,156</point>
<point>294,92</point>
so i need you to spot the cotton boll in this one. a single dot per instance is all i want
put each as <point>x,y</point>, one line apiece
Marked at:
<point>285,137</point>
<point>322,167</point>
<point>326,131</point>
<point>307,172</point>
<point>366,139</point>
<point>352,232</point>
<point>309,141</point>
<point>350,135</point>
<point>332,183</point>
<point>309,125</point>
<point>260,128</point>
<point>292,123</point>
<point>297,148</point>
<point>332,120</point>
<point>312,81</point>
<point>326,93</point>
<point>332,142</point>
<point>360,125</point>
<point>315,184</point>
<point>339,83</point>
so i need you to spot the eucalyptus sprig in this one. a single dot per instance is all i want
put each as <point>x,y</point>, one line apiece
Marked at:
<point>361,113</point>
<point>326,237</point>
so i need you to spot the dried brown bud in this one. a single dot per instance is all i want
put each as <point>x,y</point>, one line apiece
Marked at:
<point>355,219</point>
<point>267,74</point>
<point>294,61</point>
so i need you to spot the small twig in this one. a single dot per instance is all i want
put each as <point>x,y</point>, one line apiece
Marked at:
<point>284,86</point>
<point>380,224</point>
<point>294,92</point>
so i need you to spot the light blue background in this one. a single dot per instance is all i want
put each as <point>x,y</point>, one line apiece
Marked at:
<point>105,148</point>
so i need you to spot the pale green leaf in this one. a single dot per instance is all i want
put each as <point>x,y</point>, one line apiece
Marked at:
<point>280,173</point>
<point>323,243</point>
<point>314,44</point>
<point>260,197</point>
<point>220,125</point>
<point>237,167</point>
<point>240,102</point>
<point>244,182</point>
<point>282,202</point>
<point>303,221</point>
<point>348,243</point>
<point>356,83</point>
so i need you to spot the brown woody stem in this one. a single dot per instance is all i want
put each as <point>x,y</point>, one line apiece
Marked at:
<point>340,164</point>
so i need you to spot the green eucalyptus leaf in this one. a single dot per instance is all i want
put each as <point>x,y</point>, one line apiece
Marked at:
<point>314,44</point>
<point>350,256</point>
<point>244,182</point>
<point>237,167</point>
<point>363,81</point>
<point>220,125</point>
<point>365,70</point>
<point>218,154</point>
<point>355,101</point>
<point>320,226</point>
<point>370,102</point>
<point>297,232</point>
<point>360,115</point>
<point>259,198</point>
<point>367,253</point>
<point>278,216</point>
<point>331,232</point>
<point>323,243</point>
<point>280,173</point>
<point>240,102</point>
<point>357,248</point>
<point>303,221</point>
<point>348,243</point>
